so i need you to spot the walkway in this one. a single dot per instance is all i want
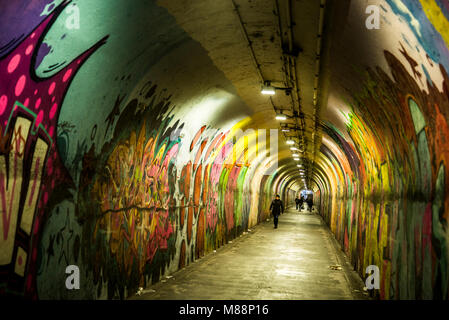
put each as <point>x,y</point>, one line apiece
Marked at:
<point>291,262</point>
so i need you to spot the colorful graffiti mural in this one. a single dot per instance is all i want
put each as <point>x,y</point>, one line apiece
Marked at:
<point>135,202</point>
<point>29,109</point>
<point>387,208</point>
<point>382,178</point>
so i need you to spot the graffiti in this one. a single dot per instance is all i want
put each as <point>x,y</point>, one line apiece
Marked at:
<point>11,188</point>
<point>131,217</point>
<point>204,203</point>
<point>397,224</point>
<point>30,165</point>
<point>134,201</point>
<point>423,18</point>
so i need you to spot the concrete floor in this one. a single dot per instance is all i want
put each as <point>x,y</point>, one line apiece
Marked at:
<point>290,262</point>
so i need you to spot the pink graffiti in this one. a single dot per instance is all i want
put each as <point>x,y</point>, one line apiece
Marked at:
<point>19,84</point>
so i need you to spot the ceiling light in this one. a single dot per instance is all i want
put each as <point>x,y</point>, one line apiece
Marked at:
<point>298,165</point>
<point>296,159</point>
<point>295,155</point>
<point>290,141</point>
<point>293,148</point>
<point>281,117</point>
<point>268,90</point>
<point>286,130</point>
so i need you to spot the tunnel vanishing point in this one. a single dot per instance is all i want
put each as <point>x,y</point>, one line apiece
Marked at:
<point>137,137</point>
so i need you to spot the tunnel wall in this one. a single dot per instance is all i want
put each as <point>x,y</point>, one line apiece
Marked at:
<point>291,195</point>
<point>382,174</point>
<point>119,151</point>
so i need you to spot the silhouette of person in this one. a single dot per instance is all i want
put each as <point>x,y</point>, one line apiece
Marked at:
<point>276,208</point>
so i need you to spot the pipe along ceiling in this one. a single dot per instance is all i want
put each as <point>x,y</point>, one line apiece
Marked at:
<point>135,138</point>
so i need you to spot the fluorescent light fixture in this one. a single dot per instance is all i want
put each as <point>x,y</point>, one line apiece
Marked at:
<point>285,130</point>
<point>296,159</point>
<point>290,142</point>
<point>295,155</point>
<point>281,117</point>
<point>268,90</point>
<point>298,165</point>
<point>293,148</point>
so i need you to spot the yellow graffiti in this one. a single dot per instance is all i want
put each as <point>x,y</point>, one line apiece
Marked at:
<point>11,177</point>
<point>437,18</point>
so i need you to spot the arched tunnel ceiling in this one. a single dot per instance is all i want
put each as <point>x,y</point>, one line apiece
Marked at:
<point>252,42</point>
<point>324,46</point>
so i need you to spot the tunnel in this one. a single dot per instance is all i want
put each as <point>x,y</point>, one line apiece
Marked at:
<point>139,138</point>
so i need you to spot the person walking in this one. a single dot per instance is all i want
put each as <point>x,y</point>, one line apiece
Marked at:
<point>310,203</point>
<point>276,208</point>
<point>301,201</point>
<point>297,202</point>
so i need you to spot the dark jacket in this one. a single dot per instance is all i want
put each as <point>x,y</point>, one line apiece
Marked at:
<point>277,207</point>
<point>297,200</point>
